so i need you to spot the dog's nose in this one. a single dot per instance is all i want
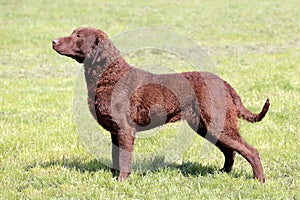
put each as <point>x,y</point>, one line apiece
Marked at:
<point>54,42</point>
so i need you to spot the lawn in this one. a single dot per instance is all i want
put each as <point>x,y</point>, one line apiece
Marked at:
<point>255,46</point>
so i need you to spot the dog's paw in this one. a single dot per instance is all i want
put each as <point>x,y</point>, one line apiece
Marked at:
<point>123,176</point>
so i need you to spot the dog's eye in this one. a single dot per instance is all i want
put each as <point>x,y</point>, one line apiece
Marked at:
<point>78,36</point>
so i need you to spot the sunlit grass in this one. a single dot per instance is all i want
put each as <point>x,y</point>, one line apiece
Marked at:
<point>255,46</point>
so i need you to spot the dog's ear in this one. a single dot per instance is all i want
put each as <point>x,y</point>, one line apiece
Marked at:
<point>97,40</point>
<point>101,36</point>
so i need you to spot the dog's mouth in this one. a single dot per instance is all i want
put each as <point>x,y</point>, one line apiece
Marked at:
<point>73,55</point>
<point>56,45</point>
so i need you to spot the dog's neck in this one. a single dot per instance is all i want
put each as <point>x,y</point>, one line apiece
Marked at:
<point>105,66</point>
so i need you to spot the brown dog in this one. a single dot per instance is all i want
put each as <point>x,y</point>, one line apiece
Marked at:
<point>124,100</point>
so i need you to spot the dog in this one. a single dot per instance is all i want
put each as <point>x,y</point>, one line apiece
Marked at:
<point>124,100</point>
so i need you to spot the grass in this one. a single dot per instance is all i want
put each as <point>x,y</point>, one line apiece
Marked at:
<point>255,46</point>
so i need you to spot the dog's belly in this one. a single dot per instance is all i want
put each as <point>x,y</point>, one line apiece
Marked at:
<point>153,105</point>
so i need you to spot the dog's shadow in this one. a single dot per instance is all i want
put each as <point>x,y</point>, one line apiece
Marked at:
<point>186,169</point>
<point>194,169</point>
<point>77,164</point>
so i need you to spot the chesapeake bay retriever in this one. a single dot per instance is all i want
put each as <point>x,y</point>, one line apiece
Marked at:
<point>124,100</point>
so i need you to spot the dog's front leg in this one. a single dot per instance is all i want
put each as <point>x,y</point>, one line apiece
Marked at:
<point>126,142</point>
<point>115,154</point>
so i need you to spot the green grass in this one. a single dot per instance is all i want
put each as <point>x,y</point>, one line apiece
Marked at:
<point>255,46</point>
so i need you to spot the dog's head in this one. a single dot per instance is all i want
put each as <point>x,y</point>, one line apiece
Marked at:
<point>80,44</point>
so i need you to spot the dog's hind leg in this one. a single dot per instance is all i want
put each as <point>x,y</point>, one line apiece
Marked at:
<point>229,157</point>
<point>228,153</point>
<point>248,152</point>
<point>252,156</point>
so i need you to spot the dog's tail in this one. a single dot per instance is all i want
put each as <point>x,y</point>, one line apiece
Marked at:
<point>243,112</point>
